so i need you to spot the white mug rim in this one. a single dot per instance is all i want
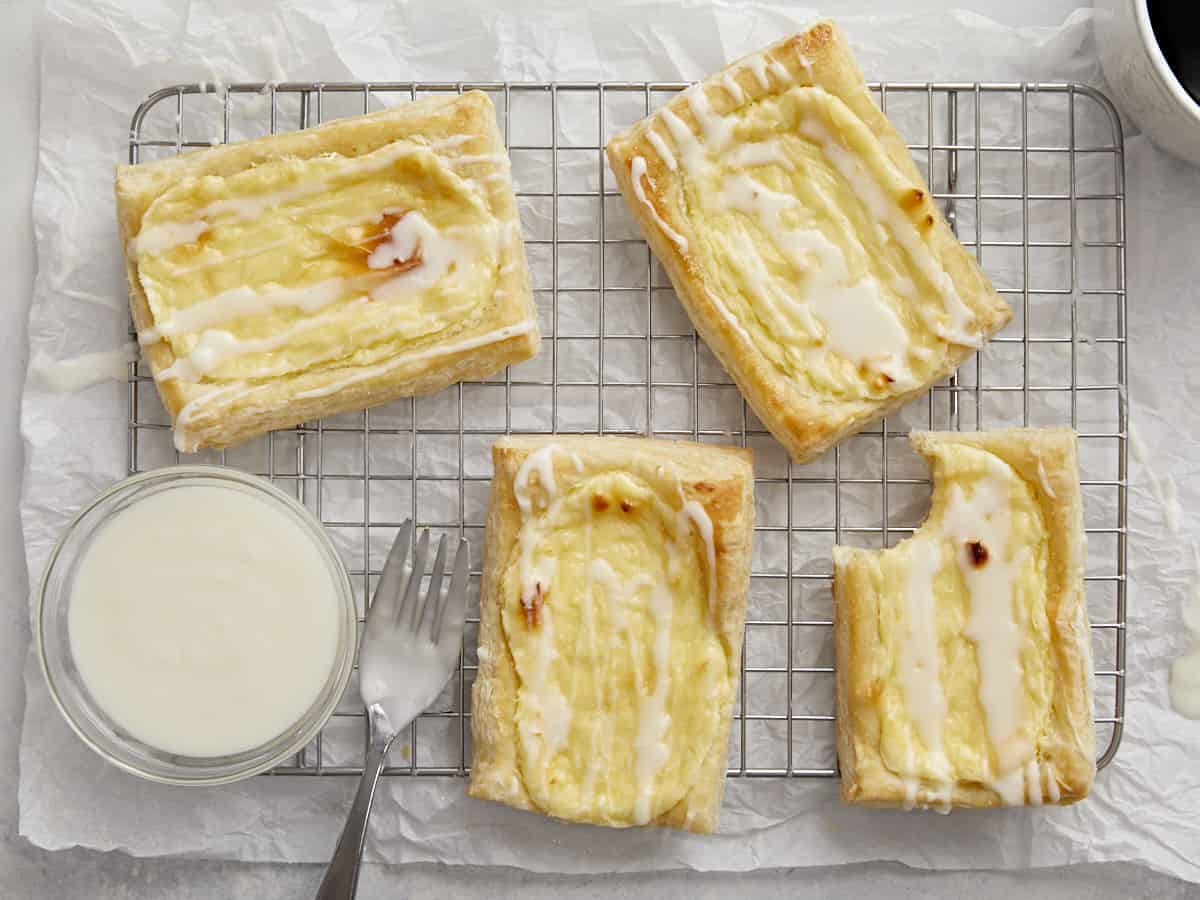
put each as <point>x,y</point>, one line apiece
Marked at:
<point>1159,60</point>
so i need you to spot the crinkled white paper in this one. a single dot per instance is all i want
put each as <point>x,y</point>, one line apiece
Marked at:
<point>99,61</point>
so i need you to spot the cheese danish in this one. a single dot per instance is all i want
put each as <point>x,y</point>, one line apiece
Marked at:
<point>611,617</point>
<point>964,656</point>
<point>301,275</point>
<point>803,242</point>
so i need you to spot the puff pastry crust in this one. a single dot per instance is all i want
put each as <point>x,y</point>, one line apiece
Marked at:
<point>300,275</point>
<point>964,660</point>
<point>611,623</point>
<point>803,242</point>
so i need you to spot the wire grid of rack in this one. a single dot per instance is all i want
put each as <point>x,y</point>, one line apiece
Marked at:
<point>1031,177</point>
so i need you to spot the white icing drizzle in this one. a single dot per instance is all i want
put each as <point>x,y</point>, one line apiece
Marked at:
<point>717,130</point>
<point>1044,479</point>
<point>637,172</point>
<point>760,153</point>
<point>944,798</point>
<point>653,720</point>
<point>985,517</point>
<point>471,343</point>
<point>729,82</point>
<point>1024,785</point>
<point>64,376</point>
<point>197,405</point>
<point>451,141</point>
<point>661,148</point>
<point>1033,781</point>
<point>650,746</point>
<point>551,719</point>
<point>856,321</point>
<point>245,301</point>
<point>757,64</point>
<point>918,653</point>
<point>719,306</point>
<point>805,63</point>
<point>497,159</point>
<point>886,212</point>
<point>692,511</point>
<point>920,679</point>
<point>1053,794</point>
<point>160,238</point>
<point>1010,786</point>
<point>439,255</point>
<point>600,687</point>
<point>535,575</point>
<point>215,347</point>
<point>689,147</point>
<point>552,714</point>
<point>910,792</point>
<point>540,461</point>
<point>412,234</point>
<point>779,70</point>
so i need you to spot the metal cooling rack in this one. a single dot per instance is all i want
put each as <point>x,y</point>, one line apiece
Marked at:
<point>1031,177</point>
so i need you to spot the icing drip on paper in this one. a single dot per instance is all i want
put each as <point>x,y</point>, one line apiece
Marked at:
<point>65,376</point>
<point>1184,683</point>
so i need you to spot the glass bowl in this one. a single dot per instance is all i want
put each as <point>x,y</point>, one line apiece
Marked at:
<point>88,718</point>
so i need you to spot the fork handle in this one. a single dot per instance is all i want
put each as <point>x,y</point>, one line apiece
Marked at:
<point>341,878</point>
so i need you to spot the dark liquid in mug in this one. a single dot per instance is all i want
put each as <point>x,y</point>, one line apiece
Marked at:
<point>1176,25</point>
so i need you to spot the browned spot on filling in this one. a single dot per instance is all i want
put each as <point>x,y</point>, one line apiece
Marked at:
<point>978,552</point>
<point>874,377</point>
<point>626,506</point>
<point>370,242</point>
<point>704,487</point>
<point>533,609</point>
<point>600,503</point>
<point>912,200</point>
<point>927,222</point>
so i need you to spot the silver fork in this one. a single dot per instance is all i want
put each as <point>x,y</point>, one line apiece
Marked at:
<point>408,651</point>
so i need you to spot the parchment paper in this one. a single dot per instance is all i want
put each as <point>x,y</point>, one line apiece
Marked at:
<point>99,61</point>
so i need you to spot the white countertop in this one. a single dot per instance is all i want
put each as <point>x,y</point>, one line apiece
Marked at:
<point>26,871</point>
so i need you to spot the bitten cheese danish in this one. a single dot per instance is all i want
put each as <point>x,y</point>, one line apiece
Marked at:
<point>803,242</point>
<point>964,662</point>
<point>611,614</point>
<point>299,275</point>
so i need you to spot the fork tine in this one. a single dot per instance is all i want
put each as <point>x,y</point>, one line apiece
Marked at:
<point>392,579</point>
<point>413,589</point>
<point>432,600</point>
<point>453,610</point>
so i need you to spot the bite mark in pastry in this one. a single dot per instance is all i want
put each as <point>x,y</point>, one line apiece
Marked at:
<point>611,619</point>
<point>803,242</point>
<point>964,663</point>
<point>301,275</point>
